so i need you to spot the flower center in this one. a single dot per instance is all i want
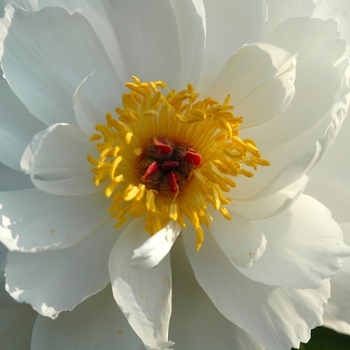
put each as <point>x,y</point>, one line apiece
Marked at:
<point>166,165</point>
<point>169,156</point>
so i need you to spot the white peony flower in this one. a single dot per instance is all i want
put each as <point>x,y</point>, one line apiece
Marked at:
<point>120,167</point>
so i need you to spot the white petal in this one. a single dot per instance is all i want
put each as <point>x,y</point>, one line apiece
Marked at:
<point>26,4</point>
<point>154,249</point>
<point>260,80</point>
<point>275,317</point>
<point>100,16</point>
<point>59,280</point>
<point>148,39</point>
<point>283,172</point>
<point>17,127</point>
<point>47,54</point>
<point>34,221</point>
<point>230,24</point>
<point>85,114</point>
<point>336,325</point>
<point>334,165</point>
<point>304,246</point>
<point>280,10</point>
<point>95,96</point>
<point>11,180</point>
<point>238,239</point>
<point>93,99</point>
<point>336,197</point>
<point>97,323</point>
<point>338,306</point>
<point>141,37</point>
<point>321,65</point>
<point>195,322</point>
<point>56,161</point>
<point>333,194</point>
<point>269,205</point>
<point>191,25</point>
<point>335,9</point>
<point>143,296</point>
<point>277,136</point>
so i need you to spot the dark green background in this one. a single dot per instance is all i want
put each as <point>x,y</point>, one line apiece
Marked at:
<point>326,339</point>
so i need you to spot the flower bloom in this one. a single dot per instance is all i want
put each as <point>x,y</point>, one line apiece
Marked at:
<point>144,123</point>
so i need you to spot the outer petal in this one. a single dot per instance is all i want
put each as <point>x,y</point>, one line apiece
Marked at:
<point>304,247</point>
<point>17,127</point>
<point>155,50</point>
<point>294,160</point>
<point>59,280</point>
<point>230,24</point>
<point>143,296</point>
<point>87,115</point>
<point>238,239</point>
<point>336,9</point>
<point>307,121</point>
<point>33,221</point>
<point>291,161</point>
<point>337,198</point>
<point>56,161</point>
<point>335,166</point>
<point>151,52</point>
<point>97,323</point>
<point>338,326</point>
<point>320,73</point>
<point>281,10</point>
<point>47,54</point>
<point>26,4</point>
<point>276,317</point>
<point>338,307</point>
<point>11,180</point>
<point>332,194</point>
<point>260,80</point>
<point>195,322</point>
<point>191,26</point>
<point>97,13</point>
<point>156,247</point>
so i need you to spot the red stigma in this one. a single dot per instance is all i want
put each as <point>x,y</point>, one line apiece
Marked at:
<point>174,187</point>
<point>152,168</point>
<point>163,148</point>
<point>169,165</point>
<point>193,157</point>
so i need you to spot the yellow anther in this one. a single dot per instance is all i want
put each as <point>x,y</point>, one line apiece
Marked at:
<point>141,193</point>
<point>114,166</point>
<point>95,137</point>
<point>150,112</point>
<point>226,125</point>
<point>128,137</point>
<point>225,213</point>
<point>91,160</point>
<point>246,173</point>
<point>252,149</point>
<point>130,192</point>
<point>199,237</point>
<point>138,151</point>
<point>173,215</point>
